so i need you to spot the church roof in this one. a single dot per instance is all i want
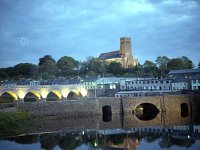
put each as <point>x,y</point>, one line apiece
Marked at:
<point>109,55</point>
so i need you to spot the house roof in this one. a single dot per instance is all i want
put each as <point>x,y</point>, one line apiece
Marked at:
<point>109,55</point>
<point>180,80</point>
<point>74,81</point>
<point>184,71</point>
<point>23,82</point>
<point>9,82</point>
<point>90,79</point>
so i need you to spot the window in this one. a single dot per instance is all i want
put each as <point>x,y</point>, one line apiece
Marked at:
<point>161,82</point>
<point>152,81</point>
<point>147,82</point>
<point>156,81</point>
<point>194,81</point>
<point>167,81</point>
<point>184,110</point>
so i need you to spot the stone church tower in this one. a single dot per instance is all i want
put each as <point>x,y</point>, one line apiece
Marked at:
<point>126,52</point>
<point>123,56</point>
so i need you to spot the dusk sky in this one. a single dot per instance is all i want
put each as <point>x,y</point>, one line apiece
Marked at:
<point>80,28</point>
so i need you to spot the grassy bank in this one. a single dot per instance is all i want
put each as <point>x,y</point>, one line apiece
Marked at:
<point>15,123</point>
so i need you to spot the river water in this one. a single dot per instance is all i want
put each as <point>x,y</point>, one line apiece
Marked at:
<point>109,132</point>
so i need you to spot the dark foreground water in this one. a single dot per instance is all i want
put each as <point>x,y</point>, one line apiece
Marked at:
<point>109,133</point>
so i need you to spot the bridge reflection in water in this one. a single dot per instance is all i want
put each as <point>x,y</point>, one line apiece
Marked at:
<point>118,132</point>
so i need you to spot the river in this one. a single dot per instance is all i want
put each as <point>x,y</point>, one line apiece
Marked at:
<point>109,132</point>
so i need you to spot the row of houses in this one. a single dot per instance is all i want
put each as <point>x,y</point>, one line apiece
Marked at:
<point>178,80</point>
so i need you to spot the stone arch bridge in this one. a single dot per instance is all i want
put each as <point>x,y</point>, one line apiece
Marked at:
<point>41,92</point>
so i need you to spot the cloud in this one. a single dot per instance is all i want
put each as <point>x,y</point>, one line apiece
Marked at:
<point>88,28</point>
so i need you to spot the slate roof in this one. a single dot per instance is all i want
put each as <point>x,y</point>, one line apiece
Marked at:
<point>109,55</point>
<point>180,80</point>
<point>74,81</point>
<point>23,82</point>
<point>185,71</point>
<point>90,79</point>
<point>53,82</point>
<point>9,82</point>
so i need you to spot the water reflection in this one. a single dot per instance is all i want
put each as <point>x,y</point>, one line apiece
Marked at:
<point>112,139</point>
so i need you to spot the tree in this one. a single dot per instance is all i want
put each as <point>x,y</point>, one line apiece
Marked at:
<point>3,74</point>
<point>199,65</point>
<point>162,61</point>
<point>139,71</point>
<point>179,63</point>
<point>94,65</point>
<point>45,58</point>
<point>67,65</point>
<point>115,68</point>
<point>25,70</point>
<point>148,64</point>
<point>175,64</point>
<point>189,64</point>
<point>150,69</point>
<point>48,67</point>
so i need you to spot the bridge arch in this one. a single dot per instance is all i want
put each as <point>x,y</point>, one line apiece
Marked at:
<point>32,96</point>
<point>74,95</point>
<point>8,97</point>
<point>146,111</point>
<point>54,95</point>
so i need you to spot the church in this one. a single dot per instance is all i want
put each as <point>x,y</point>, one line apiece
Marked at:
<point>123,56</point>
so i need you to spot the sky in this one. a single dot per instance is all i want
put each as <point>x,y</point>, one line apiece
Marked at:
<point>81,28</point>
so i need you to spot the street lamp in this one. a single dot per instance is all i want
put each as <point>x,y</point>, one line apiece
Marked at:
<point>95,90</point>
<point>96,139</point>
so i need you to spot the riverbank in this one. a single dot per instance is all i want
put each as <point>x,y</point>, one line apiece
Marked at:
<point>16,123</point>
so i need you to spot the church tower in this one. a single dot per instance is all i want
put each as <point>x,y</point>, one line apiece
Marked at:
<point>123,56</point>
<point>126,52</point>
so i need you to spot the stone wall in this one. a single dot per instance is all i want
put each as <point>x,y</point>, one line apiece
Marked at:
<point>164,104</point>
<point>65,107</point>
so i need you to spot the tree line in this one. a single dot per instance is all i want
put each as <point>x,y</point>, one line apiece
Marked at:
<point>67,67</point>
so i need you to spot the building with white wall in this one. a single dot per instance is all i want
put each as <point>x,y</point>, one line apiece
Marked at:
<point>195,84</point>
